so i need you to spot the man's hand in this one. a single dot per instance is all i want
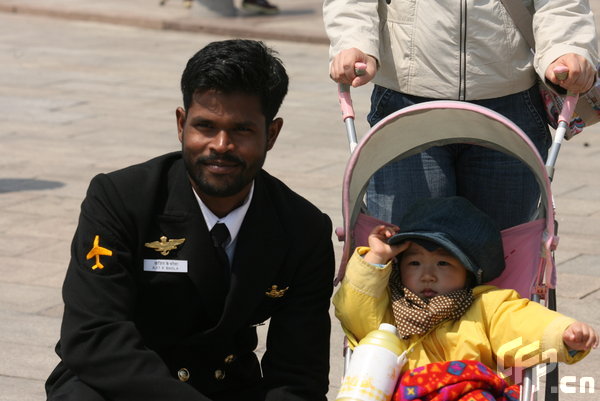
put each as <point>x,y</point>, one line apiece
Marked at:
<point>581,73</point>
<point>580,336</point>
<point>342,67</point>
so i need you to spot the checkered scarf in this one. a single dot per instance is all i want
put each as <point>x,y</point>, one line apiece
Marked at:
<point>414,315</point>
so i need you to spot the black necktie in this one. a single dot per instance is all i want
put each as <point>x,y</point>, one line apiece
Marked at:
<point>220,235</point>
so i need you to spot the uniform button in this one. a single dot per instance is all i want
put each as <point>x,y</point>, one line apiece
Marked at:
<point>183,374</point>
<point>229,358</point>
<point>219,374</point>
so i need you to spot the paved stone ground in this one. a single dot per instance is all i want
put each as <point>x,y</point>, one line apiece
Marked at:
<point>298,21</point>
<point>79,97</point>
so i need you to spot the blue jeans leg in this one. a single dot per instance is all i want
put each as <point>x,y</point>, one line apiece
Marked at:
<point>498,184</point>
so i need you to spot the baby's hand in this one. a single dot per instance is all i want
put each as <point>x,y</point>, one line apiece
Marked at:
<point>580,336</point>
<point>381,252</point>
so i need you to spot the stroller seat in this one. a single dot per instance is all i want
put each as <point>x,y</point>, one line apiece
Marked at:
<point>528,247</point>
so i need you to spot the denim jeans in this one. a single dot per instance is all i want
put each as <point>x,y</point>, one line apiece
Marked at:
<point>497,184</point>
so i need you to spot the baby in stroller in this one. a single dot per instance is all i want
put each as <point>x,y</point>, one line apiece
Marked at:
<point>426,278</point>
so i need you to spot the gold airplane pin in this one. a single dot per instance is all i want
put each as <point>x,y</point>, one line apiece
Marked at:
<point>275,293</point>
<point>97,251</point>
<point>165,246</point>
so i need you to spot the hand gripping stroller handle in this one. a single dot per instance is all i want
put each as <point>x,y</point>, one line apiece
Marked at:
<point>564,118</point>
<point>347,108</point>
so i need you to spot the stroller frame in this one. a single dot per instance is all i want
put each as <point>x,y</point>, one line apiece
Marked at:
<point>429,124</point>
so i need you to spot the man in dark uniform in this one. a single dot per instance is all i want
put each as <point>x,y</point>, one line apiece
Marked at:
<point>176,260</point>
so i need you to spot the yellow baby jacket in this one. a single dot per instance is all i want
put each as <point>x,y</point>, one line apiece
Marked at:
<point>500,329</point>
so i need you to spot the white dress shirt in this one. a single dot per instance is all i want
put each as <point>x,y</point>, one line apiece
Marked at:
<point>233,221</point>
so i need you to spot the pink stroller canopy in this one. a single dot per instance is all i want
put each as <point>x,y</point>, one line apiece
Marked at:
<point>416,128</point>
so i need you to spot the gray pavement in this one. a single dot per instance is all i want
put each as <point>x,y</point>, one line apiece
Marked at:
<point>89,87</point>
<point>299,20</point>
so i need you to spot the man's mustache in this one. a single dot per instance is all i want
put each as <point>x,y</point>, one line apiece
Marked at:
<point>225,157</point>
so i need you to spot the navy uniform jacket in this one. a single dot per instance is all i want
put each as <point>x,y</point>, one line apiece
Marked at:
<point>132,334</point>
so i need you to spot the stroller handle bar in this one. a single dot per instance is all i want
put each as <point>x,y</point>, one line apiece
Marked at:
<point>347,108</point>
<point>564,118</point>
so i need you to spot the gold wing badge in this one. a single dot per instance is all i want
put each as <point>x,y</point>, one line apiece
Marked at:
<point>275,293</point>
<point>164,245</point>
<point>96,252</point>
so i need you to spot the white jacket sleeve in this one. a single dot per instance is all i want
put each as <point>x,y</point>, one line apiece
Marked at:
<point>561,27</point>
<point>352,23</point>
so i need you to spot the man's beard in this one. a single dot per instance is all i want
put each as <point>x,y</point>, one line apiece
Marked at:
<point>227,185</point>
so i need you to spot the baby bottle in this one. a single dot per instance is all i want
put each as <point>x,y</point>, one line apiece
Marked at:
<point>374,368</point>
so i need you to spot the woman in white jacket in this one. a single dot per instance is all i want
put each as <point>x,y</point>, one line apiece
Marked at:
<point>466,50</point>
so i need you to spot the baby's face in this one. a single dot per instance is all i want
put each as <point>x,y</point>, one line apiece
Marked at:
<point>431,273</point>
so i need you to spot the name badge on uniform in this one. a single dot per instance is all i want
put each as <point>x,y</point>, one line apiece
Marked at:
<point>165,266</point>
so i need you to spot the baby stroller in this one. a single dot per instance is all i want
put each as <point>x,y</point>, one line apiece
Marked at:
<point>528,248</point>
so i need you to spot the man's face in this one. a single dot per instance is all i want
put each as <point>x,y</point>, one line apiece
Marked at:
<point>225,140</point>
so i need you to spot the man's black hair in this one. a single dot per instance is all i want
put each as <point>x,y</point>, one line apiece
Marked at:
<point>237,66</point>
